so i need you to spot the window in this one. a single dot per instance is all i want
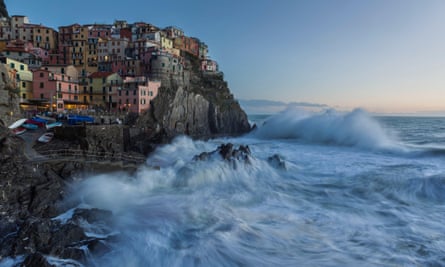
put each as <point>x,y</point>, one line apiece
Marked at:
<point>120,92</point>
<point>41,85</point>
<point>91,98</point>
<point>134,92</point>
<point>134,101</point>
<point>126,92</point>
<point>24,96</point>
<point>42,96</point>
<point>12,65</point>
<point>23,84</point>
<point>41,74</point>
<point>103,98</point>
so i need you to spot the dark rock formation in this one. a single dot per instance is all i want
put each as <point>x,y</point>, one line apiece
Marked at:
<point>29,193</point>
<point>200,106</point>
<point>3,10</point>
<point>277,162</point>
<point>9,98</point>
<point>228,153</point>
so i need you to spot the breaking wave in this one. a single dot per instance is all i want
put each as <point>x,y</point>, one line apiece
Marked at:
<point>356,128</point>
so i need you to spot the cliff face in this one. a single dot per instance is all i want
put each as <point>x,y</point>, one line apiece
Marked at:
<point>3,10</point>
<point>9,99</point>
<point>200,106</point>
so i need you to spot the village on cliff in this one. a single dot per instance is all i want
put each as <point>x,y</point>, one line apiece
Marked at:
<point>97,67</point>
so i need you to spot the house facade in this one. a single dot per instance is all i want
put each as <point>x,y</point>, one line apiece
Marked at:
<point>136,94</point>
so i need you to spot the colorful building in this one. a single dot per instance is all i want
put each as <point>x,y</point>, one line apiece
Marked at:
<point>208,65</point>
<point>103,90</point>
<point>58,91</point>
<point>136,94</point>
<point>23,81</point>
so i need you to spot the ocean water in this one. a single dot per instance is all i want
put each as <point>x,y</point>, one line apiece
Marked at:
<point>356,190</point>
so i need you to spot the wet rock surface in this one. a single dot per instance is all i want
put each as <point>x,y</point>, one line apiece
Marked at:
<point>227,153</point>
<point>29,193</point>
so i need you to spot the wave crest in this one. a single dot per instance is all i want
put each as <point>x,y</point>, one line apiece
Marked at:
<point>356,128</point>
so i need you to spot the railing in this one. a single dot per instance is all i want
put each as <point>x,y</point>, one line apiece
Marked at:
<point>87,156</point>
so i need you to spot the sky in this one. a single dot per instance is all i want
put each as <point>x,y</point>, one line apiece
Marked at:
<point>386,56</point>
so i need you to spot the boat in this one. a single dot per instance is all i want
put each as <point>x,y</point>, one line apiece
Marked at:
<point>48,119</point>
<point>46,137</point>
<point>53,124</point>
<point>17,124</point>
<point>19,130</point>
<point>36,122</point>
<point>78,119</point>
<point>30,126</point>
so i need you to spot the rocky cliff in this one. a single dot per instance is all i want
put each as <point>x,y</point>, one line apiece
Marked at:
<point>3,10</point>
<point>200,105</point>
<point>9,99</point>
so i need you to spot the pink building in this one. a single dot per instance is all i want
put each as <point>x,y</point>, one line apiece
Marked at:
<point>60,92</point>
<point>209,65</point>
<point>137,93</point>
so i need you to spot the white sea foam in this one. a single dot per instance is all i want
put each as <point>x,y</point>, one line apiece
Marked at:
<point>333,204</point>
<point>356,128</point>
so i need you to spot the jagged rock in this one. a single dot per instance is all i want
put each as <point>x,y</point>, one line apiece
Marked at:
<point>228,153</point>
<point>36,259</point>
<point>200,106</point>
<point>277,162</point>
<point>3,10</point>
<point>92,215</point>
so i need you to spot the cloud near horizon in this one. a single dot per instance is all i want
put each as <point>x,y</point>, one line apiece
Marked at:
<point>261,106</point>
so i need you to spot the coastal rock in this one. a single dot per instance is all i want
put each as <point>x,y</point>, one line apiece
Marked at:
<point>277,162</point>
<point>36,259</point>
<point>3,10</point>
<point>228,153</point>
<point>9,98</point>
<point>200,106</point>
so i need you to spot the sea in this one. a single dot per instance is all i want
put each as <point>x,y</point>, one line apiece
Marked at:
<point>351,189</point>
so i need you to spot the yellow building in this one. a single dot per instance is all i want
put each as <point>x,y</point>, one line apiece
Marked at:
<point>23,80</point>
<point>3,45</point>
<point>103,88</point>
<point>166,43</point>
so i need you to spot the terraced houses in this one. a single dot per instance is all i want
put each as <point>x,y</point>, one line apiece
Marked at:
<point>108,67</point>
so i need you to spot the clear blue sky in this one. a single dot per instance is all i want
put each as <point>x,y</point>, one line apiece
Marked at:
<point>382,55</point>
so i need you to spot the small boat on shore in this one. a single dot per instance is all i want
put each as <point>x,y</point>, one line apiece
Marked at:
<point>17,124</point>
<point>36,121</point>
<point>30,126</point>
<point>18,130</point>
<point>53,124</point>
<point>46,137</point>
<point>78,119</point>
<point>48,119</point>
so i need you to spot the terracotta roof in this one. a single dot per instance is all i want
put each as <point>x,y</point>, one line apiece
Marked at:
<point>100,74</point>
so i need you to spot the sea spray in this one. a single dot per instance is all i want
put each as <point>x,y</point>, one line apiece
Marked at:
<point>333,204</point>
<point>355,128</point>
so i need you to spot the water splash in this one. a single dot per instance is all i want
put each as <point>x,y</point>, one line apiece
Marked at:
<point>356,128</point>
